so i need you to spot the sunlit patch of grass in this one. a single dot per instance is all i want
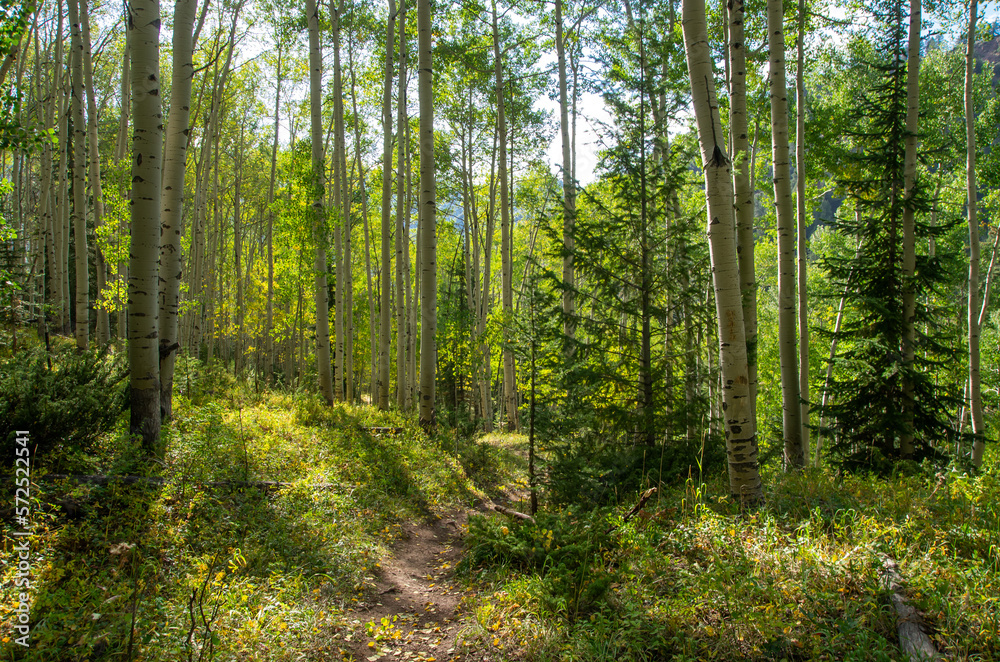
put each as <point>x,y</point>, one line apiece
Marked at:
<point>799,578</point>
<point>214,560</point>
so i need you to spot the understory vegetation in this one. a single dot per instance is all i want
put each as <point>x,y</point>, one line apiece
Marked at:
<point>270,514</point>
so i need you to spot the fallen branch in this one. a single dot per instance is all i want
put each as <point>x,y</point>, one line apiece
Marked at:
<point>513,513</point>
<point>912,639</point>
<point>635,509</point>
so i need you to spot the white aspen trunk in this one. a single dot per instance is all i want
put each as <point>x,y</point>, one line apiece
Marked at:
<point>787,346</point>
<point>569,186</point>
<point>121,150</point>
<point>364,215</point>
<point>324,369</point>
<point>269,238</point>
<point>427,219</point>
<point>741,439</point>
<point>906,441</point>
<point>506,267</point>
<point>172,198</point>
<point>385,331</point>
<point>801,224</point>
<point>103,322</point>
<point>744,191</point>
<point>975,315</point>
<point>402,146</point>
<point>143,283</point>
<point>81,296</point>
<point>342,205</point>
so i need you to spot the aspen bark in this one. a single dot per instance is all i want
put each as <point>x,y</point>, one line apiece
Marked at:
<point>269,238</point>
<point>569,186</point>
<point>323,366</point>
<point>801,224</point>
<point>172,198</point>
<point>81,296</point>
<point>974,319</point>
<point>506,267</point>
<point>342,205</point>
<point>787,349</point>
<point>143,349</point>
<point>906,441</point>
<point>427,219</point>
<point>743,191</point>
<point>103,322</point>
<point>741,439</point>
<point>402,146</point>
<point>385,330</point>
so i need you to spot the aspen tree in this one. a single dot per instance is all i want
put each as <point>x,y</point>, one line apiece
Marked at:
<point>323,366</point>
<point>81,297</point>
<point>427,218</point>
<point>385,330</point>
<point>974,315</point>
<point>743,190</point>
<point>269,238</point>
<point>569,186</point>
<point>341,205</point>
<point>172,197</point>
<point>906,445</point>
<point>741,438</point>
<point>787,349</point>
<point>506,266</point>
<point>401,147</point>
<point>800,231</point>
<point>103,323</point>
<point>143,279</point>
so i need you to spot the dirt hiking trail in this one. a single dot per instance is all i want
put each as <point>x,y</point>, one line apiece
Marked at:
<point>416,612</point>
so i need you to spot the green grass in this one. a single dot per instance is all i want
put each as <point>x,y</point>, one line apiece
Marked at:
<point>229,572</point>
<point>799,579</point>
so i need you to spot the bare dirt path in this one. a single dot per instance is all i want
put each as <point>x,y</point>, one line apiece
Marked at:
<point>416,614</point>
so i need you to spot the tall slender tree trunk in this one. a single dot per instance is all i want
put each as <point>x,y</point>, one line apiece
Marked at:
<point>172,198</point>
<point>323,366</point>
<point>906,442</point>
<point>143,282</point>
<point>81,298</point>
<point>342,204</point>
<point>427,219</point>
<point>385,331</point>
<point>787,350</point>
<point>801,224</point>
<point>121,150</point>
<point>269,238</point>
<point>103,323</point>
<point>741,438</point>
<point>506,267</point>
<point>743,191</point>
<point>974,323</point>
<point>569,186</point>
<point>401,147</point>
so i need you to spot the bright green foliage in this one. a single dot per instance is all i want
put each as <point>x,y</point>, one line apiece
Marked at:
<point>567,555</point>
<point>799,579</point>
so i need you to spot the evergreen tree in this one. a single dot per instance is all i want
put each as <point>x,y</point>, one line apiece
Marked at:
<point>868,403</point>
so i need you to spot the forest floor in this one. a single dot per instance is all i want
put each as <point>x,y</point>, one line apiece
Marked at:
<point>279,529</point>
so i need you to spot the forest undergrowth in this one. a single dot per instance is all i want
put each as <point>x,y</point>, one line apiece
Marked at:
<point>207,559</point>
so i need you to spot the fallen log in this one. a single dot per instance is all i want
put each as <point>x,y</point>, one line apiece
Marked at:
<point>513,513</point>
<point>912,639</point>
<point>635,509</point>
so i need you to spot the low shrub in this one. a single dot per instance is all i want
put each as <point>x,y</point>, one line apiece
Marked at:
<point>64,399</point>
